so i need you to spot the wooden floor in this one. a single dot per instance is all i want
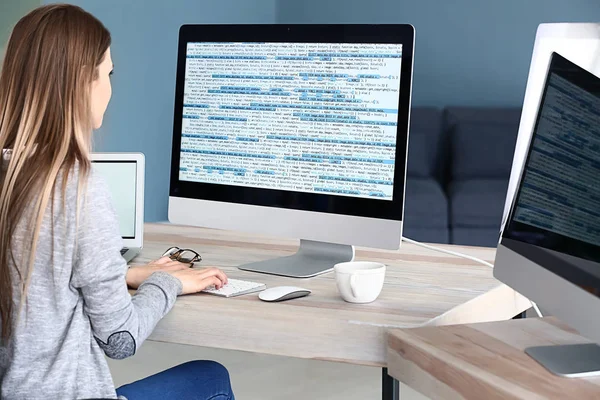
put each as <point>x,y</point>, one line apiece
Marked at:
<point>261,377</point>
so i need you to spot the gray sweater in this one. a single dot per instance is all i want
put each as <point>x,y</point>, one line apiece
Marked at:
<point>78,308</point>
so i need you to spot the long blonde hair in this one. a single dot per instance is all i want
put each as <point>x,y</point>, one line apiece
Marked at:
<point>49,65</point>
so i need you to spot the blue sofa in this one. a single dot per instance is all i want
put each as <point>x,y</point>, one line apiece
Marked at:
<point>459,162</point>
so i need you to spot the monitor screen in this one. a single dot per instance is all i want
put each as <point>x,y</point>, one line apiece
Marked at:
<point>121,177</point>
<point>308,117</point>
<point>557,205</point>
<point>301,117</point>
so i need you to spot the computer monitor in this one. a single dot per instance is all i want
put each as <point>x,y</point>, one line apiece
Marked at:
<point>580,43</point>
<point>550,248</point>
<point>297,131</point>
<point>124,176</point>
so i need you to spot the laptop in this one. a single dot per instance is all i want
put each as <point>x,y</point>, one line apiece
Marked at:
<point>124,174</point>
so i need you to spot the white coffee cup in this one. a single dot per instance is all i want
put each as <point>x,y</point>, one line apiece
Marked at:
<point>359,281</point>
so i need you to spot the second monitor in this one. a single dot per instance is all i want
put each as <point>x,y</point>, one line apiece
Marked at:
<point>298,131</point>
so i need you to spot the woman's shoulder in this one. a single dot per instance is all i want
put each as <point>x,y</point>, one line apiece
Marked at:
<point>83,185</point>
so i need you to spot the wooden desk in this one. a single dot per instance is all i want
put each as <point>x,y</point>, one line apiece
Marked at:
<point>422,288</point>
<point>485,361</point>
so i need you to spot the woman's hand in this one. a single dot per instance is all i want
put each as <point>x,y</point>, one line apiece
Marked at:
<point>195,280</point>
<point>138,274</point>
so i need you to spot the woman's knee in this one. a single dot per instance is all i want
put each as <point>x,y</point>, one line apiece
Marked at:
<point>212,368</point>
<point>213,372</point>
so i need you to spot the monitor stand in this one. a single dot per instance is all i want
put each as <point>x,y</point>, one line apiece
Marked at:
<point>312,259</point>
<point>570,360</point>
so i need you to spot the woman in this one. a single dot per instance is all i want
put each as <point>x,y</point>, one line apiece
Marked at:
<point>64,303</point>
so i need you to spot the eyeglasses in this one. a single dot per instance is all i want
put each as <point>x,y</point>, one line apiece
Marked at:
<point>182,255</point>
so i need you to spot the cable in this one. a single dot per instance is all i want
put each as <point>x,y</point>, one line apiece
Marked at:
<point>478,260</point>
<point>537,310</point>
<point>454,253</point>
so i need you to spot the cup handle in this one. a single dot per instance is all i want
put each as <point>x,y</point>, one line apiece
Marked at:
<point>353,285</point>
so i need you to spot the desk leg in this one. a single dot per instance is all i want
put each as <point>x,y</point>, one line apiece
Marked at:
<point>390,387</point>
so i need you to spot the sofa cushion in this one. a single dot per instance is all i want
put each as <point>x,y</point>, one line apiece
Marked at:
<point>477,203</point>
<point>424,146</point>
<point>427,235</point>
<point>426,205</point>
<point>482,141</point>
<point>487,237</point>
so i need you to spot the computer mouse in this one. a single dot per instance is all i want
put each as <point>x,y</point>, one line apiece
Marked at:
<point>281,293</point>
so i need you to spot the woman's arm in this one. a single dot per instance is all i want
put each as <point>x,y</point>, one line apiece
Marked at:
<point>139,273</point>
<point>120,322</point>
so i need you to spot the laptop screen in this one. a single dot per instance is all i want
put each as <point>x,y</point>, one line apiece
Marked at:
<point>121,179</point>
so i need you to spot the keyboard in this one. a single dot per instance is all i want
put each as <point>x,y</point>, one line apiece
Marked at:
<point>124,250</point>
<point>236,287</point>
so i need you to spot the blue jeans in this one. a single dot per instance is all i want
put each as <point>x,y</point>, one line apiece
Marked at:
<point>194,380</point>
